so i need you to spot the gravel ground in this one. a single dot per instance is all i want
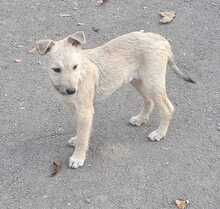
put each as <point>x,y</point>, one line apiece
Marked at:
<point>123,170</point>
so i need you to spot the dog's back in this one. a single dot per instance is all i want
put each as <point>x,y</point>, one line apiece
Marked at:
<point>120,59</point>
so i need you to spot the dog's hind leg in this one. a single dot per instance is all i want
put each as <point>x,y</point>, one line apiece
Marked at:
<point>166,110</point>
<point>143,116</point>
<point>154,78</point>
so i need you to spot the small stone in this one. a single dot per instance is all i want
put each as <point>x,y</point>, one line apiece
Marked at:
<point>218,129</point>
<point>80,24</point>
<point>17,60</point>
<point>20,46</point>
<point>68,203</point>
<point>65,15</point>
<point>100,2</point>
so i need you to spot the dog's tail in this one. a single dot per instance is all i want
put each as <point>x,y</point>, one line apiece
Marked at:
<point>184,76</point>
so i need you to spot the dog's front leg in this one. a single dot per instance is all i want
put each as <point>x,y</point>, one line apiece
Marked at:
<point>84,125</point>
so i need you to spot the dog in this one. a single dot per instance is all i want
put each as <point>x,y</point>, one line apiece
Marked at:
<point>82,75</point>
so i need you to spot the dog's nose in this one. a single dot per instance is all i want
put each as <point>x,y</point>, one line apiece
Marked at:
<point>70,91</point>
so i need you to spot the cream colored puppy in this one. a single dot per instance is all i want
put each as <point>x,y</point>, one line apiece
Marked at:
<point>80,75</point>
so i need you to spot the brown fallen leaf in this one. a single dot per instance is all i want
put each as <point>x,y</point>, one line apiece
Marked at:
<point>167,17</point>
<point>56,167</point>
<point>181,203</point>
<point>100,2</point>
<point>17,60</point>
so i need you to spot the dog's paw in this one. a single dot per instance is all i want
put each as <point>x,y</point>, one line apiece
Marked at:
<point>72,141</point>
<point>137,121</point>
<point>75,162</point>
<point>156,136</point>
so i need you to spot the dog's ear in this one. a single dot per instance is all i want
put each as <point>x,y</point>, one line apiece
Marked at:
<point>44,46</point>
<point>77,38</point>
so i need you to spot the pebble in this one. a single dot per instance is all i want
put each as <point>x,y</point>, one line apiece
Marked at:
<point>80,24</point>
<point>20,46</point>
<point>65,15</point>
<point>17,60</point>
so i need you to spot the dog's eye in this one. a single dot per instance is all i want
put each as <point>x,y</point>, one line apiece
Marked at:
<point>56,69</point>
<point>74,67</point>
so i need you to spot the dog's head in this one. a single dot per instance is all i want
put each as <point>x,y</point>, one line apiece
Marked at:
<point>65,60</point>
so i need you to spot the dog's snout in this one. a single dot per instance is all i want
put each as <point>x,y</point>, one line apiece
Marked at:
<point>71,91</point>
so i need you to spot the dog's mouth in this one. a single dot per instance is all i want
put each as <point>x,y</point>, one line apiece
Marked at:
<point>66,92</point>
<point>63,93</point>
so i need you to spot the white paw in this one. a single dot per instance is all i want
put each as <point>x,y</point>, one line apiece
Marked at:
<point>76,162</point>
<point>137,121</point>
<point>72,141</point>
<point>156,136</point>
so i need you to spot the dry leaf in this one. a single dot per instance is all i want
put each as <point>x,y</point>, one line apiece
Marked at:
<point>167,17</point>
<point>56,168</point>
<point>100,2</point>
<point>181,203</point>
<point>17,60</point>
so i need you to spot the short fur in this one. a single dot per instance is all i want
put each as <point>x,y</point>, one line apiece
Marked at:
<point>136,58</point>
